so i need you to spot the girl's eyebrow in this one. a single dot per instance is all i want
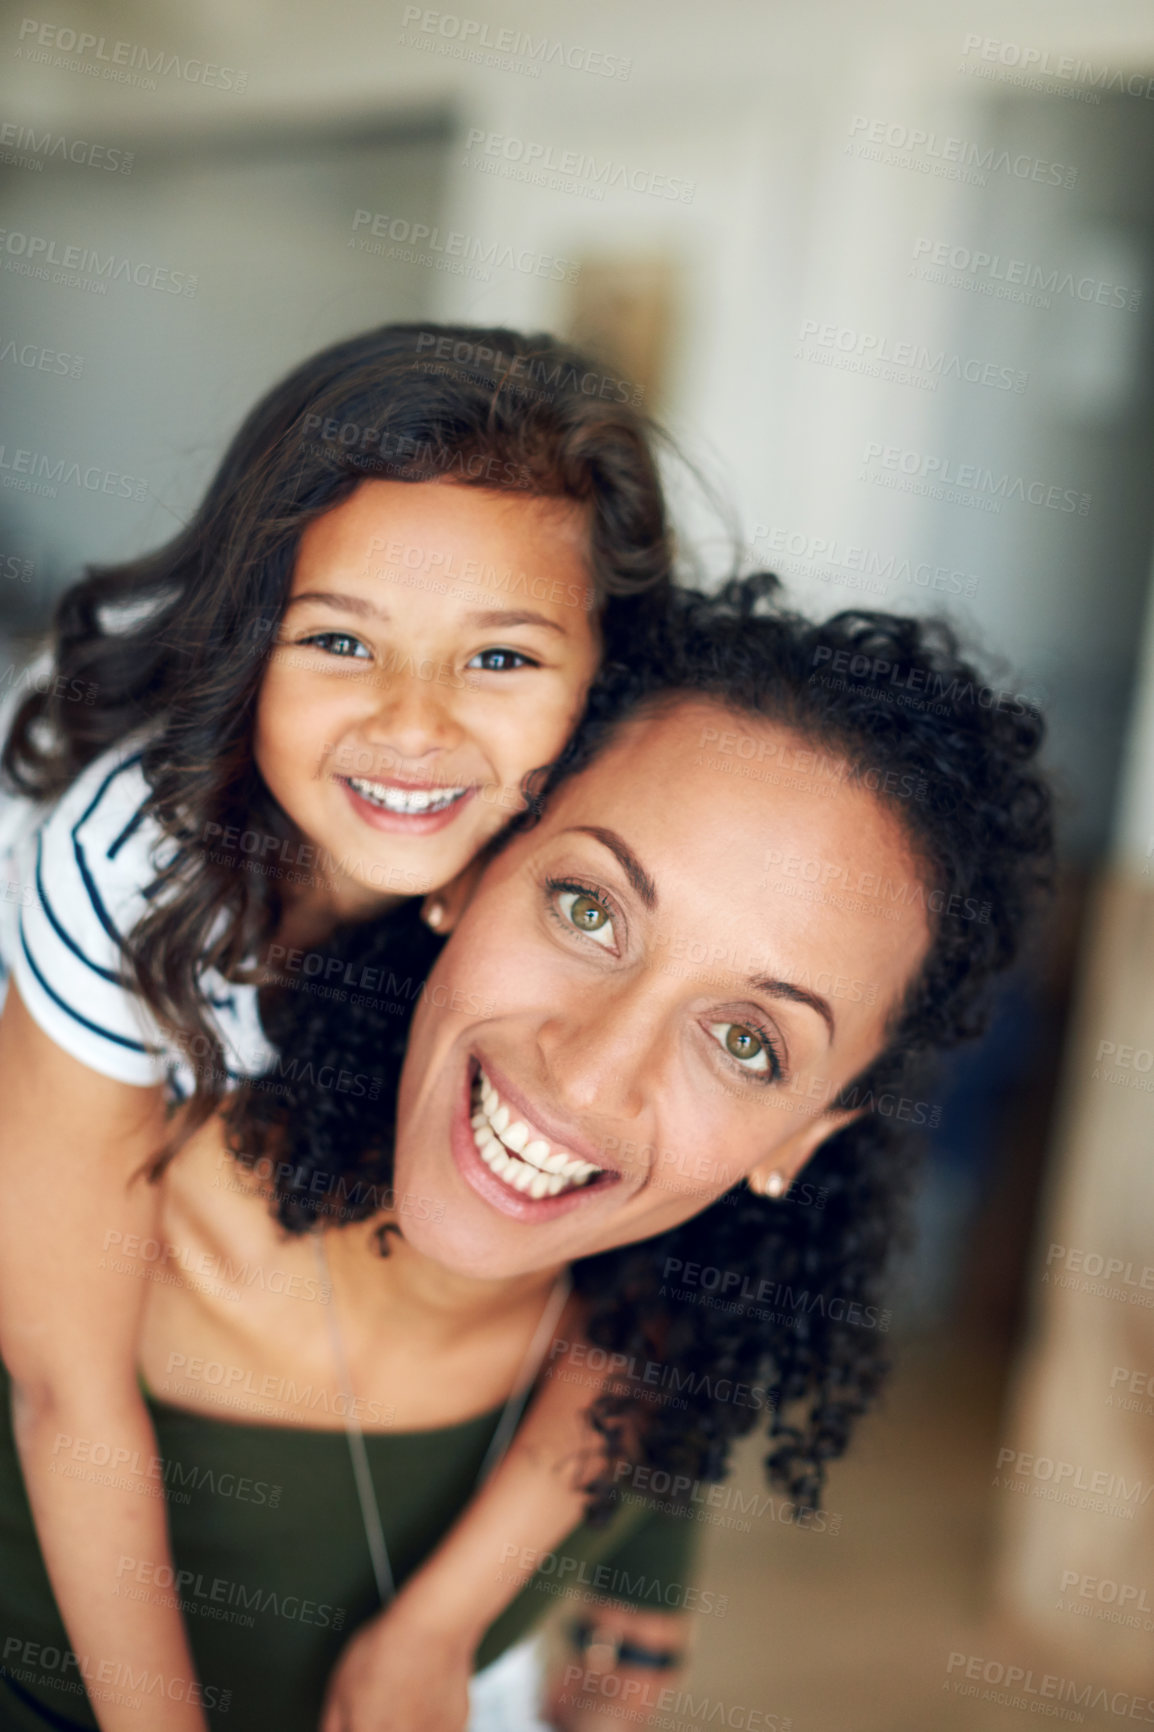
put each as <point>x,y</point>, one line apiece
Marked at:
<point>359,604</point>
<point>347,603</point>
<point>512,616</point>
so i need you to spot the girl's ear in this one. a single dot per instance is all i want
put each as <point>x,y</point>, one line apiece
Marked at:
<point>443,908</point>
<point>773,1176</point>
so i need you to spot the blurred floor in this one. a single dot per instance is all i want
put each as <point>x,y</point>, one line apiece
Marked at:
<point>853,1631</point>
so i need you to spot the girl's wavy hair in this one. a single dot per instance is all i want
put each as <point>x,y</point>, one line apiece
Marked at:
<point>174,645</point>
<point>789,1302</point>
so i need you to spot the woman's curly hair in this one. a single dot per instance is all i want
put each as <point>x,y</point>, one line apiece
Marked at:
<point>787,1301</point>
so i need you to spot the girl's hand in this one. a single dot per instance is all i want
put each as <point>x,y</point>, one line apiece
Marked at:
<point>397,1675</point>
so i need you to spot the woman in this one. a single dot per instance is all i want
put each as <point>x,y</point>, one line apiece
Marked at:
<point>637,981</point>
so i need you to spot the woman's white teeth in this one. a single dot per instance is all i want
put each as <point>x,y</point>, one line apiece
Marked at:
<point>405,800</point>
<point>527,1164</point>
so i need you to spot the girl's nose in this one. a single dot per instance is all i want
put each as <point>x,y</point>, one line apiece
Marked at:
<point>414,716</point>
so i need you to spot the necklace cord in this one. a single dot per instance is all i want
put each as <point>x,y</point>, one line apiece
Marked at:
<point>502,1437</point>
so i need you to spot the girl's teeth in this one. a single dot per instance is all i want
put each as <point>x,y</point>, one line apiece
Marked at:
<point>405,800</point>
<point>527,1165</point>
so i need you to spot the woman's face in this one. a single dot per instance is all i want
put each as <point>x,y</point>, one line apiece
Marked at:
<point>437,645</point>
<point>650,996</point>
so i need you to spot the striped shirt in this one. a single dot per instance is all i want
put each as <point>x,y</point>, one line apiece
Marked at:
<point>75,879</point>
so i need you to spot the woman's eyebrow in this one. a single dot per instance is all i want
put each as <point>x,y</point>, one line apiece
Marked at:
<point>631,866</point>
<point>796,995</point>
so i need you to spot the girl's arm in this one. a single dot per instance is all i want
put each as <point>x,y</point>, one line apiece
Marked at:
<point>411,1665</point>
<point>70,1142</point>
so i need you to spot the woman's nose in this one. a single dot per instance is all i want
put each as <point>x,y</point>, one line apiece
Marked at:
<point>603,1048</point>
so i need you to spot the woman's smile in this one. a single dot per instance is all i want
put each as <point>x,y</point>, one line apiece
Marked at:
<point>571,1031</point>
<point>501,1149</point>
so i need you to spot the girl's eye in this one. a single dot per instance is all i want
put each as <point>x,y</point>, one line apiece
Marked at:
<point>500,661</point>
<point>339,643</point>
<point>752,1049</point>
<point>587,915</point>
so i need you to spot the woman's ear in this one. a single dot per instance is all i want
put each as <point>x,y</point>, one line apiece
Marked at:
<point>443,908</point>
<point>774,1175</point>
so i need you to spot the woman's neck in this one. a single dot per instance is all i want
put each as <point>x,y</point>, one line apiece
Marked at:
<point>425,1295</point>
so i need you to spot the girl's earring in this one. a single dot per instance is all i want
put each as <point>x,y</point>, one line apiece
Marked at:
<point>772,1185</point>
<point>434,914</point>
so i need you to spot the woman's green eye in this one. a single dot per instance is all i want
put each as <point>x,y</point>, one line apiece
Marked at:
<point>587,915</point>
<point>742,1043</point>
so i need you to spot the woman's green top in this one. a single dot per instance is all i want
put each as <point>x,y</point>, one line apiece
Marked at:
<point>273,1569</point>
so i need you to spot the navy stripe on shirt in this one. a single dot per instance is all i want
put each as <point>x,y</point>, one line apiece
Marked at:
<point>66,938</point>
<point>105,1033</point>
<point>101,912</point>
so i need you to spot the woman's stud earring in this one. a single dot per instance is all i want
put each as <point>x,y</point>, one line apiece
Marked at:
<point>773,1184</point>
<point>435,915</point>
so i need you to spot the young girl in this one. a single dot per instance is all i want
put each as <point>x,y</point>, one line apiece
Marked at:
<point>323,697</point>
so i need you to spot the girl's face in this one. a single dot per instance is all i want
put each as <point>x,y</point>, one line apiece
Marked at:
<point>436,646</point>
<point>648,998</point>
